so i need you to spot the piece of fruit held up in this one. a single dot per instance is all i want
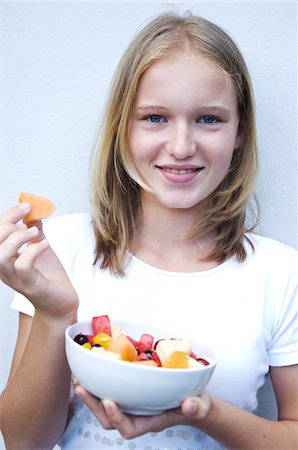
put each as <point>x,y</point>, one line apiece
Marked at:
<point>41,207</point>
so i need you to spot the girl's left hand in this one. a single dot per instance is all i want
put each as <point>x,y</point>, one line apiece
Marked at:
<point>130,426</point>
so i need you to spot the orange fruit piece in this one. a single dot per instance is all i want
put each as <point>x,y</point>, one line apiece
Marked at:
<point>176,360</point>
<point>123,346</point>
<point>40,207</point>
<point>102,339</point>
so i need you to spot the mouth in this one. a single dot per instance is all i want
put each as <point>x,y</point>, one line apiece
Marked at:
<point>177,171</point>
<point>179,175</point>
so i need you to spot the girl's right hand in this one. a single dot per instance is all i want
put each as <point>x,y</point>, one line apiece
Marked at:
<point>35,272</point>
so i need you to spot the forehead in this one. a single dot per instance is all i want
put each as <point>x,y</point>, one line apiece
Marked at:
<point>186,74</point>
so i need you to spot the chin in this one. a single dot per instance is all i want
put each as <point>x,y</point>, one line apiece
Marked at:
<point>179,204</point>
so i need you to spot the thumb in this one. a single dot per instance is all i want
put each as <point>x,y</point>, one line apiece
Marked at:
<point>196,407</point>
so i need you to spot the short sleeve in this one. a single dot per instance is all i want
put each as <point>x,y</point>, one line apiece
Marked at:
<point>283,348</point>
<point>22,304</point>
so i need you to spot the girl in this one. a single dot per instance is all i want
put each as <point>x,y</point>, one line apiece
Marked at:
<point>172,175</point>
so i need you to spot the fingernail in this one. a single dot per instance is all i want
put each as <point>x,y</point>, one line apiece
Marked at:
<point>191,407</point>
<point>24,206</point>
<point>33,230</point>
<point>74,380</point>
<point>21,225</point>
<point>108,405</point>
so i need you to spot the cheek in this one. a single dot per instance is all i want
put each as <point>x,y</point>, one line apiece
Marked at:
<point>142,149</point>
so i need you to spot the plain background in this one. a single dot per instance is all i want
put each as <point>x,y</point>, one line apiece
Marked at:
<point>57,62</point>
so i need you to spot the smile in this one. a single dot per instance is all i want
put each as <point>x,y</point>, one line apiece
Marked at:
<point>179,171</point>
<point>179,176</point>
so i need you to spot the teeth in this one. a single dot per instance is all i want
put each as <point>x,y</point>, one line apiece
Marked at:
<point>179,171</point>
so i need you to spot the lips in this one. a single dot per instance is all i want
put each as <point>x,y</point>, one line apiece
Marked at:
<point>179,174</point>
<point>179,171</point>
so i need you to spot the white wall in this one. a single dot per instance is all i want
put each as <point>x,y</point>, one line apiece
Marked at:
<point>58,59</point>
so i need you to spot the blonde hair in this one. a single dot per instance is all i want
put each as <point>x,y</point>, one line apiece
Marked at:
<point>115,185</point>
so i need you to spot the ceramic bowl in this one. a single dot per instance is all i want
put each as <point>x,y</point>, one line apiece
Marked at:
<point>137,389</point>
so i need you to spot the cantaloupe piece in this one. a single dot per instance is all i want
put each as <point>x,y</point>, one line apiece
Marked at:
<point>176,360</point>
<point>123,346</point>
<point>41,207</point>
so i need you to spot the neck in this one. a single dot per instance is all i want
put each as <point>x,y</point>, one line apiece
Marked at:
<point>161,239</point>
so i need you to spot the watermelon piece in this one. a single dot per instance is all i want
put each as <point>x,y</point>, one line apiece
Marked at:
<point>156,359</point>
<point>203,361</point>
<point>143,357</point>
<point>90,338</point>
<point>133,341</point>
<point>101,324</point>
<point>145,343</point>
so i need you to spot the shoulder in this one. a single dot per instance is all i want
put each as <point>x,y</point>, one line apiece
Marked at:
<point>69,224</point>
<point>272,251</point>
<point>77,220</point>
<point>68,233</point>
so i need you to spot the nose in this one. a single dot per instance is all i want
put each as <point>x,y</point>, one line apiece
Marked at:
<point>181,143</point>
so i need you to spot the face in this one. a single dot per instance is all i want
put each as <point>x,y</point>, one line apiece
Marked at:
<point>183,130</point>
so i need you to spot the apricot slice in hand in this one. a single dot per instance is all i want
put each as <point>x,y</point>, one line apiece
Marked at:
<point>176,360</point>
<point>41,207</point>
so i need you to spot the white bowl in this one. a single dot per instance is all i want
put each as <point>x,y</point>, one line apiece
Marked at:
<point>137,389</point>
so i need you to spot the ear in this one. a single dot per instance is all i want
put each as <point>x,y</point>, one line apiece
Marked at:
<point>241,134</point>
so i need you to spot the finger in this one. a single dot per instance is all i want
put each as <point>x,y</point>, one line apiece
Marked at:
<point>195,407</point>
<point>16,213</point>
<point>12,244</point>
<point>24,264</point>
<point>37,224</point>
<point>16,270</point>
<point>95,406</point>
<point>6,229</point>
<point>10,248</point>
<point>124,423</point>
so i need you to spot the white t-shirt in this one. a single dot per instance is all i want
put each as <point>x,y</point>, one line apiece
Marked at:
<point>246,312</point>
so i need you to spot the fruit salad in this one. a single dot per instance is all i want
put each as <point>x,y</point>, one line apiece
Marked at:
<point>113,342</point>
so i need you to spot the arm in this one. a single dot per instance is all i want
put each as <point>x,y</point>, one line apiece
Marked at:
<point>239,429</point>
<point>37,394</point>
<point>233,427</point>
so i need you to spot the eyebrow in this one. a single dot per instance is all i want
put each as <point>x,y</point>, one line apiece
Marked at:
<point>149,107</point>
<point>219,108</point>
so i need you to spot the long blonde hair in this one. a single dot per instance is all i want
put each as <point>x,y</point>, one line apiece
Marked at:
<point>115,184</point>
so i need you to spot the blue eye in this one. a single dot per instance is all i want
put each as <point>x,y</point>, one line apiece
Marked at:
<point>155,118</point>
<point>208,120</point>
